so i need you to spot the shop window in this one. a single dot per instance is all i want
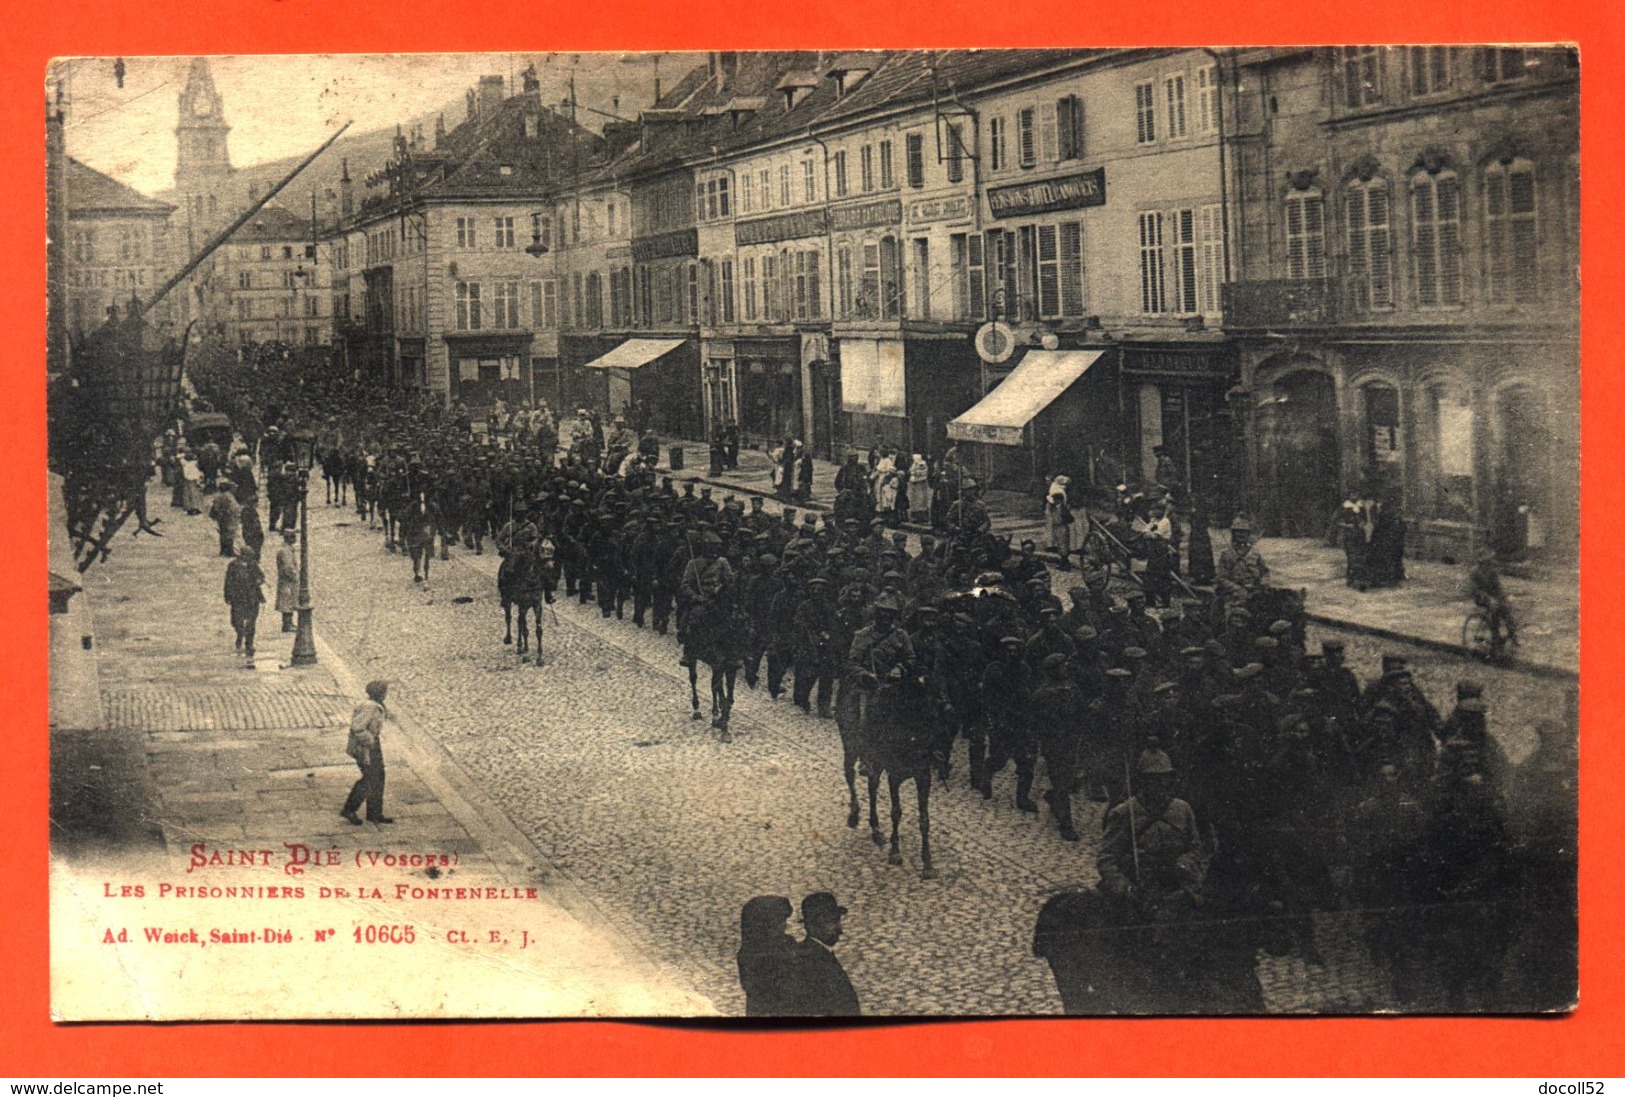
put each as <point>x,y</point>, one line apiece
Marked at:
<point>1384,443</point>
<point>1448,436</point>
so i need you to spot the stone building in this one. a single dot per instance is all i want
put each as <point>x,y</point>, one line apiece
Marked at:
<point>1405,298</point>
<point>118,247</point>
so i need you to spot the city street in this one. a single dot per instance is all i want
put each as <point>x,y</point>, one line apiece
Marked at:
<point>593,756</point>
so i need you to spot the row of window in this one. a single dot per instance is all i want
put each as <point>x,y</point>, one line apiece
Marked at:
<point>128,244</point>
<point>285,279</point>
<point>1372,76</point>
<point>252,309</point>
<point>1508,246</point>
<point>1162,111</point>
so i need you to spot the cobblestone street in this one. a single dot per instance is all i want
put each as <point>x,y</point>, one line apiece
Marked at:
<point>667,831</point>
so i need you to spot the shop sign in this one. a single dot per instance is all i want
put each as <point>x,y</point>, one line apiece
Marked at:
<point>1043,196</point>
<point>667,245</point>
<point>785,226</point>
<point>1183,363</point>
<point>869,216</point>
<point>953,208</point>
<point>982,432</point>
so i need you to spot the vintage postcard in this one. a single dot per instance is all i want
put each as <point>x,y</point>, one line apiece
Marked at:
<point>814,533</point>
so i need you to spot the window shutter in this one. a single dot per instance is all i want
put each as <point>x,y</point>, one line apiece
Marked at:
<point>1049,275</point>
<point>1024,121</point>
<point>1357,246</point>
<point>1296,264</point>
<point>1426,243</point>
<point>815,305</point>
<point>1047,125</point>
<point>978,278</point>
<point>1072,268</point>
<point>1381,247</point>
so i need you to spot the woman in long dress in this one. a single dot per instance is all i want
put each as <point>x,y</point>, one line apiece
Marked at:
<point>919,489</point>
<point>766,957</point>
<point>885,480</point>
<point>1058,511</point>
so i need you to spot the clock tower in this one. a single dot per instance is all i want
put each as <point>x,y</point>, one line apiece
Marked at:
<point>202,164</point>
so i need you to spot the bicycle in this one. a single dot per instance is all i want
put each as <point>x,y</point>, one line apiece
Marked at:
<point>1483,636</point>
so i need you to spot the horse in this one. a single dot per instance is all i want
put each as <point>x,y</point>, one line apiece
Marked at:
<point>891,730</point>
<point>713,634</point>
<point>523,581</point>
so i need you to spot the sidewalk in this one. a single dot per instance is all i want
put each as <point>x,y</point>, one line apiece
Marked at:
<point>1427,609</point>
<point>191,749</point>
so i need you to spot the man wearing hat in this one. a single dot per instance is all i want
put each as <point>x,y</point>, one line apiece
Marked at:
<point>1056,705</point>
<point>225,511</point>
<point>1006,690</point>
<point>968,517</point>
<point>1151,870</point>
<point>878,648</point>
<point>244,596</point>
<point>366,747</point>
<point>1241,570</point>
<point>287,580</point>
<point>819,984</point>
<point>816,629</point>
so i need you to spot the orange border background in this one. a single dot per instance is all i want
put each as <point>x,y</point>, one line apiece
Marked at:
<point>1587,1043</point>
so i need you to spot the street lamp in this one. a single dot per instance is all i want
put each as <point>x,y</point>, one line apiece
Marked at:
<point>303,446</point>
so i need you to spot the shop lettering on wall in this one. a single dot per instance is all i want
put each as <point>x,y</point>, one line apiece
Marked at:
<point>1068,192</point>
<point>786,226</point>
<point>951,208</point>
<point>872,215</point>
<point>666,245</point>
<point>1151,361</point>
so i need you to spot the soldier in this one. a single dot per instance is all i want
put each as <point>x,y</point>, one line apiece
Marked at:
<point>1056,706</point>
<point>418,528</point>
<point>644,569</point>
<point>815,656</point>
<point>1006,684</point>
<point>1241,570</point>
<point>761,591</point>
<point>879,652</point>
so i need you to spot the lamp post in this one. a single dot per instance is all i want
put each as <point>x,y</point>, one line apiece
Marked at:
<point>303,444</point>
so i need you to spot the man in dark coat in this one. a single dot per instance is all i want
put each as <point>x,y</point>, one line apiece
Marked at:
<point>244,596</point>
<point>821,987</point>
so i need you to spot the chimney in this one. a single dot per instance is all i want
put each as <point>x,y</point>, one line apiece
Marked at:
<point>440,129</point>
<point>532,82</point>
<point>472,104</point>
<point>729,61</point>
<point>490,96</point>
<point>346,192</point>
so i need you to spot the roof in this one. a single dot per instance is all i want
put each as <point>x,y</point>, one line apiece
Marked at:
<point>274,223</point>
<point>89,191</point>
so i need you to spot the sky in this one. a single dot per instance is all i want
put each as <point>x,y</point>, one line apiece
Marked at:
<point>282,106</point>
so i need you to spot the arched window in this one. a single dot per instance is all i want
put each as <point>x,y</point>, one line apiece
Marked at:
<point>1511,251</point>
<point>1370,237</point>
<point>1444,427</point>
<point>1436,238</point>
<point>1384,448</point>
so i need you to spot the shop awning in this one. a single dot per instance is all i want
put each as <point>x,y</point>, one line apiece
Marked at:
<point>1032,386</point>
<point>635,353</point>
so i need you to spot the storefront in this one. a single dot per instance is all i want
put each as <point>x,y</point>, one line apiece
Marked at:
<point>1045,412</point>
<point>484,368</point>
<point>663,374</point>
<point>768,371</point>
<point>1185,436</point>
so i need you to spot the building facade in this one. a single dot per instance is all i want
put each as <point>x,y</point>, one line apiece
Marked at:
<point>1406,290</point>
<point>118,248</point>
<point>277,282</point>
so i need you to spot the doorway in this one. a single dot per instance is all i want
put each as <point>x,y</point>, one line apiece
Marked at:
<point>1305,466</point>
<point>1520,520</point>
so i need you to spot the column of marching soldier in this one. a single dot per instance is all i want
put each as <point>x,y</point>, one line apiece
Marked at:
<point>1343,794</point>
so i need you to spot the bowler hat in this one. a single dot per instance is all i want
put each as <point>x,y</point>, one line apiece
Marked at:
<point>820,904</point>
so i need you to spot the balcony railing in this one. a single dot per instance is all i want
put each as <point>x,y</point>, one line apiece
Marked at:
<point>1282,303</point>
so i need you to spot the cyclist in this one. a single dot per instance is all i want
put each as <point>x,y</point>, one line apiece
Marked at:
<point>1489,596</point>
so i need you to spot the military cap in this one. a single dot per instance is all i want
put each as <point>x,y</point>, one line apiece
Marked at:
<point>834,551</point>
<point>1188,652</point>
<point>1016,640</point>
<point>989,579</point>
<point>1213,647</point>
<point>711,540</point>
<point>1266,643</point>
<point>1135,653</point>
<point>1165,687</point>
<point>519,507</point>
<point>1329,646</point>
<point>705,489</point>
<point>817,579</point>
<point>1054,661</point>
<point>1279,628</point>
<point>1467,688</point>
<point>1135,597</point>
<point>927,539</point>
<point>963,619</point>
<point>1393,663</point>
<point>1077,594</point>
<point>889,603</point>
<point>1028,541</point>
<point>1249,672</point>
<point>809,519</point>
<point>1119,611</point>
<point>1085,634</point>
<point>899,537</point>
<point>1119,673</point>
<point>932,610</point>
<point>1241,525</point>
<point>1049,609</point>
<point>892,574</point>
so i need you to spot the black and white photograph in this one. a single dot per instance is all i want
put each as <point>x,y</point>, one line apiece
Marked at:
<point>814,534</point>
